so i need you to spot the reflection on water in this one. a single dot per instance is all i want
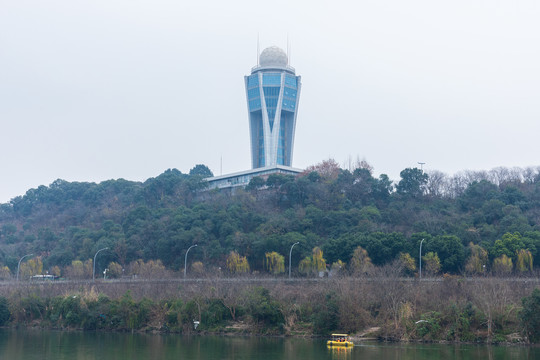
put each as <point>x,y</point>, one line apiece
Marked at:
<point>35,344</point>
<point>340,353</point>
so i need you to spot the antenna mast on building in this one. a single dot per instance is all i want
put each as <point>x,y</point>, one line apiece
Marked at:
<point>288,51</point>
<point>258,53</point>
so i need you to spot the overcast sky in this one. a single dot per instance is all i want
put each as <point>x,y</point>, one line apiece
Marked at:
<point>106,89</point>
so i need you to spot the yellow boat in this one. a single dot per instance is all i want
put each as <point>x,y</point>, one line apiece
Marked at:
<point>339,340</point>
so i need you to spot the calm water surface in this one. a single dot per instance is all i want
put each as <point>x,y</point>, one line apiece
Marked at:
<point>42,345</point>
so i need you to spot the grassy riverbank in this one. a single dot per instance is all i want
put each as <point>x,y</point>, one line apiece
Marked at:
<point>485,310</point>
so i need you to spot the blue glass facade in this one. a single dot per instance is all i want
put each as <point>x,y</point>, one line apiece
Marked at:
<point>272,92</point>
<point>272,79</point>
<point>253,93</point>
<point>271,96</point>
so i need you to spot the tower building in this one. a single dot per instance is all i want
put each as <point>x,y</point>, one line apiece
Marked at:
<point>272,91</point>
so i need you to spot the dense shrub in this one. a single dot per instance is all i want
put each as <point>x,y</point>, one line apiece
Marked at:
<point>480,310</point>
<point>125,313</point>
<point>214,313</point>
<point>263,309</point>
<point>530,316</point>
<point>326,315</point>
<point>4,311</point>
<point>32,308</point>
<point>428,327</point>
<point>150,225</point>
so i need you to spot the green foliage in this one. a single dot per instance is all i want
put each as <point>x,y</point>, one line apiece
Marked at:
<point>305,266</point>
<point>432,263</point>
<point>326,315</point>
<point>350,306</point>
<point>214,314</point>
<point>508,245</point>
<point>5,313</point>
<point>125,313</point>
<point>360,262</point>
<point>256,183</point>
<point>335,209</point>
<point>408,263</point>
<point>429,326</point>
<point>31,267</point>
<point>71,310</point>
<point>237,264</point>
<point>459,322</point>
<point>337,267</point>
<point>115,270</point>
<point>502,265</point>
<point>530,316</point>
<point>524,261</point>
<point>263,309</point>
<point>313,264</point>
<point>384,247</point>
<point>191,311</point>
<point>317,260</point>
<point>5,273</point>
<point>201,170</point>
<point>478,260</point>
<point>412,183</point>
<point>31,308</point>
<point>174,311</point>
<point>450,250</point>
<point>274,262</point>
<point>151,269</point>
<point>477,194</point>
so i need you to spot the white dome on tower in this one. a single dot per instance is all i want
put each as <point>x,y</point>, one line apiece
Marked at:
<point>273,56</point>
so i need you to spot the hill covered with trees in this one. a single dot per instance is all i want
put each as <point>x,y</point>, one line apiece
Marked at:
<point>346,220</point>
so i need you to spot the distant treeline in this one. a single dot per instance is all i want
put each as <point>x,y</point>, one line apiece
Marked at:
<point>345,220</point>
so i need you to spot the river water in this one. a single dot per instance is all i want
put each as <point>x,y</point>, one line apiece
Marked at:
<point>43,345</point>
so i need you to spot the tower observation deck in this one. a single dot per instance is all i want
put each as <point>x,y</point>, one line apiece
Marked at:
<point>272,91</point>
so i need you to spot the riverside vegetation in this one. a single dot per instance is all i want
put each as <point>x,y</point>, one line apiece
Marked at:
<point>348,224</point>
<point>491,310</point>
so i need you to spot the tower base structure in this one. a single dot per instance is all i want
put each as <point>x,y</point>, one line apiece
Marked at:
<point>242,178</point>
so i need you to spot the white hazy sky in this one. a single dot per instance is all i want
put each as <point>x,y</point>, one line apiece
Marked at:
<point>104,89</point>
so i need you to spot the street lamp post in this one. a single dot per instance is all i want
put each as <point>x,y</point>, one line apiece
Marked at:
<point>185,260</point>
<point>290,254</point>
<point>94,269</point>
<point>421,258</point>
<point>19,265</point>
